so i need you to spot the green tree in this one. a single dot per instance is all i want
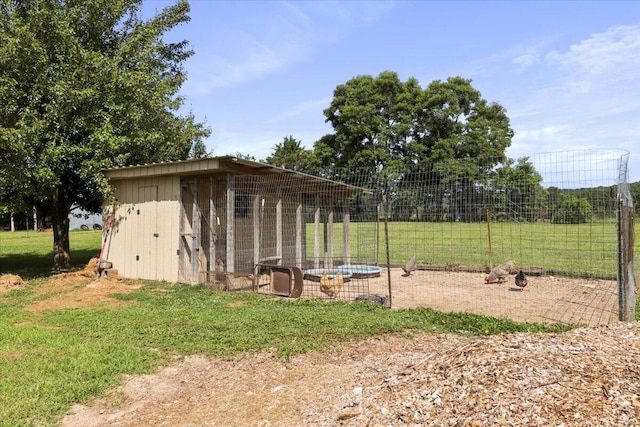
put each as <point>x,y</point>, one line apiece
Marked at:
<point>518,191</point>
<point>372,120</point>
<point>446,131</point>
<point>573,210</point>
<point>86,85</point>
<point>290,154</point>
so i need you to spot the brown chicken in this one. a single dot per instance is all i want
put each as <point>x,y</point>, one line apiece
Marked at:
<point>331,287</point>
<point>521,280</point>
<point>410,266</point>
<point>509,266</point>
<point>497,275</point>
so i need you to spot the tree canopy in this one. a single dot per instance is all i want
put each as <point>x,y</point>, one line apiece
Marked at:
<point>290,154</point>
<point>87,85</point>
<point>382,122</point>
<point>390,135</point>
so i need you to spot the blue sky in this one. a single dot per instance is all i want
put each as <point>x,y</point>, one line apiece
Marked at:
<point>568,73</point>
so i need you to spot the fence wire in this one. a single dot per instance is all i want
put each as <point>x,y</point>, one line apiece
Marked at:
<point>554,214</point>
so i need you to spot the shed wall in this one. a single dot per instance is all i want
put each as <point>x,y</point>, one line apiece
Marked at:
<point>144,239</point>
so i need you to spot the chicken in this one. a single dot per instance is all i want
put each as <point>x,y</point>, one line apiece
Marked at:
<point>497,275</point>
<point>409,266</point>
<point>521,280</point>
<point>509,266</point>
<point>331,287</point>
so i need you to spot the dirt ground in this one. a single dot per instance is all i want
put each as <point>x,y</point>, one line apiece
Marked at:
<point>545,298</point>
<point>585,377</point>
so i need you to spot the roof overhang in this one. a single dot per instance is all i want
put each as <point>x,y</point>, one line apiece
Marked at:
<point>223,164</point>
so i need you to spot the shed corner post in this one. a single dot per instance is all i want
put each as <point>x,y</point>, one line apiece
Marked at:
<point>230,230</point>
<point>299,231</point>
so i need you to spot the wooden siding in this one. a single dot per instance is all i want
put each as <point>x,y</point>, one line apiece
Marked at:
<point>143,242</point>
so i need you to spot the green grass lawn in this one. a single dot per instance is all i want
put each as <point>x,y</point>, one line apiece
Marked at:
<point>29,254</point>
<point>52,359</point>
<point>584,250</point>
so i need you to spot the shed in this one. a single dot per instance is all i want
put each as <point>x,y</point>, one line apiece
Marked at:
<point>187,221</point>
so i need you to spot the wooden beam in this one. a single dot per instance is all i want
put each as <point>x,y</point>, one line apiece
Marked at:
<point>316,234</point>
<point>329,255</point>
<point>346,232</point>
<point>299,232</point>
<point>230,226</point>
<point>279,227</point>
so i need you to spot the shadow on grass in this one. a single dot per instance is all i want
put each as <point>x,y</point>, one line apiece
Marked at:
<point>32,266</point>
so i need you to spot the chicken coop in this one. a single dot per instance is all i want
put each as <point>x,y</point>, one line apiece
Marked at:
<point>237,224</point>
<point>423,235</point>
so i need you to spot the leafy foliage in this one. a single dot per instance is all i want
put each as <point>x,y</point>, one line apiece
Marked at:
<point>291,155</point>
<point>85,86</point>
<point>573,210</point>
<point>383,122</point>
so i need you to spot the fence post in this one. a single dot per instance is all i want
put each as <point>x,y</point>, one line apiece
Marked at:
<point>626,279</point>
<point>386,240</point>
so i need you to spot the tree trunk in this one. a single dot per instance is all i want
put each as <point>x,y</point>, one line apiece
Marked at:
<point>60,219</point>
<point>35,218</point>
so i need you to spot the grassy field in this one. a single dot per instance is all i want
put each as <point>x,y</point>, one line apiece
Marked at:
<point>584,250</point>
<point>29,254</point>
<point>53,358</point>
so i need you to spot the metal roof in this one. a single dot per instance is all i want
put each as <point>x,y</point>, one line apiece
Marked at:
<point>222,164</point>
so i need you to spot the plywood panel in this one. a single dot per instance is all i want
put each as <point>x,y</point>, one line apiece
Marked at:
<point>144,240</point>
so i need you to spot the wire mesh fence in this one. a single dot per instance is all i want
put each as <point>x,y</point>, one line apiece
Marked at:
<point>349,235</point>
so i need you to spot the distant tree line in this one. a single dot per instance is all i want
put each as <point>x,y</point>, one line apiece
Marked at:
<point>437,154</point>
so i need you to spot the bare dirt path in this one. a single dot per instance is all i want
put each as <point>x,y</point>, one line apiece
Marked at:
<point>585,377</point>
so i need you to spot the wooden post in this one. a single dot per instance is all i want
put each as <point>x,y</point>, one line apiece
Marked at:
<point>182,247</point>
<point>231,220</point>
<point>316,235</point>
<point>386,239</point>
<point>489,234</point>
<point>257,230</point>
<point>329,255</point>
<point>213,229</point>
<point>299,232</point>
<point>195,234</point>
<point>279,228</point>
<point>626,279</point>
<point>346,233</point>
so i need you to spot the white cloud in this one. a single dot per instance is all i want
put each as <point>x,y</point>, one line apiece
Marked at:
<point>587,94</point>
<point>288,33</point>
<point>602,63</point>
<point>545,133</point>
<point>615,50</point>
<point>314,105</point>
<point>527,59</point>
